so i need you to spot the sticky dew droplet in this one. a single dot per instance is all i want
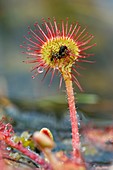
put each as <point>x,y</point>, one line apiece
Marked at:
<point>8,148</point>
<point>78,117</point>
<point>28,49</point>
<point>33,77</point>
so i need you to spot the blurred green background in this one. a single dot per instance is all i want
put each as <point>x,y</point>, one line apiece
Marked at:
<point>16,15</point>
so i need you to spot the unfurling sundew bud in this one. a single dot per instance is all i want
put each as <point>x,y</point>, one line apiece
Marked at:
<point>47,132</point>
<point>43,141</point>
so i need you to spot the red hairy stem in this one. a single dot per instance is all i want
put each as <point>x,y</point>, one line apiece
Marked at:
<point>73,114</point>
<point>7,134</point>
<point>33,156</point>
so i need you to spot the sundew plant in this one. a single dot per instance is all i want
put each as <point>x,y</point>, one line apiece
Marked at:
<point>58,48</point>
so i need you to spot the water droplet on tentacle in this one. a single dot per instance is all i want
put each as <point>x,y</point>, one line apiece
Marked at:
<point>40,70</point>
